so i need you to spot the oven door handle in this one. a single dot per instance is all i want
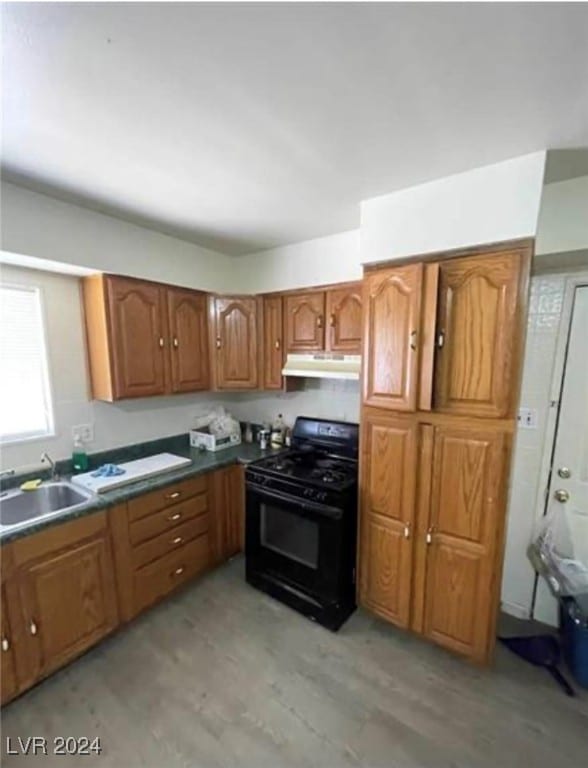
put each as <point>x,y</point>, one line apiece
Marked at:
<point>334,513</point>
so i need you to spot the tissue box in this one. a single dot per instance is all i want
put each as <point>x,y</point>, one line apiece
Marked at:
<point>201,438</point>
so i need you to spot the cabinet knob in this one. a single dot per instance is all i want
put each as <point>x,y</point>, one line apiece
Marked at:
<point>5,644</point>
<point>319,321</point>
<point>175,517</point>
<point>407,530</point>
<point>413,339</point>
<point>277,345</point>
<point>177,540</point>
<point>562,495</point>
<point>174,495</point>
<point>218,342</point>
<point>179,571</point>
<point>161,341</point>
<point>564,472</point>
<point>33,628</point>
<point>176,342</point>
<point>429,536</point>
<point>440,339</point>
<point>332,320</point>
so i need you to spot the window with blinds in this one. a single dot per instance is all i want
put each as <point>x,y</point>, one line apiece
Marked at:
<point>25,400</point>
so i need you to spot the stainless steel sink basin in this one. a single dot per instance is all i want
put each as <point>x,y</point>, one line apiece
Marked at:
<point>17,507</point>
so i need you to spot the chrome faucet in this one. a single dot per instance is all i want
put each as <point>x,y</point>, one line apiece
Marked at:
<point>6,472</point>
<point>46,458</point>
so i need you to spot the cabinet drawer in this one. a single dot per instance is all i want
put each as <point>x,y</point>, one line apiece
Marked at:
<point>171,494</point>
<point>169,541</point>
<point>157,579</point>
<point>159,522</point>
<point>57,538</point>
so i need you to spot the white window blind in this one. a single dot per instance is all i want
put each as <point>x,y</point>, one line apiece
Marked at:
<point>25,402</point>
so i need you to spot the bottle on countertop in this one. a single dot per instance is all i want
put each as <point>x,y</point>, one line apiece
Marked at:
<point>278,429</point>
<point>288,437</point>
<point>264,436</point>
<point>79,457</point>
<point>248,433</point>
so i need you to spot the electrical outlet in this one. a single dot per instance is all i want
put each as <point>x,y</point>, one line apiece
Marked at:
<point>83,432</point>
<point>527,418</point>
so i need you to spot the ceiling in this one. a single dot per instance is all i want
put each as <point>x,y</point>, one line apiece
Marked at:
<point>245,126</point>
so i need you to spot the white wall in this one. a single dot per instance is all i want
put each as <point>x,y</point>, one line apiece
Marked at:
<point>40,226</point>
<point>323,398</point>
<point>485,205</point>
<point>526,501</point>
<point>323,260</point>
<point>114,424</point>
<point>563,221</point>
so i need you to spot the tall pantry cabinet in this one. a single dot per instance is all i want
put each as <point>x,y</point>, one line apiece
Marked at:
<point>442,355</point>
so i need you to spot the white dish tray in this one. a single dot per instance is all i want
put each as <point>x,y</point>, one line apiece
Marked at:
<point>134,471</point>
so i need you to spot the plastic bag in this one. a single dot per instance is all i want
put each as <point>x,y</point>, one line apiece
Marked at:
<point>558,551</point>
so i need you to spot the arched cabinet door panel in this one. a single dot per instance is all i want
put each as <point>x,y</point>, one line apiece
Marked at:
<point>188,324</point>
<point>138,337</point>
<point>305,322</point>
<point>391,335</point>
<point>344,319</point>
<point>476,335</point>
<point>236,348</point>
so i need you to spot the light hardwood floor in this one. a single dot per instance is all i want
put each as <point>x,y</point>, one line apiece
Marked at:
<point>222,675</point>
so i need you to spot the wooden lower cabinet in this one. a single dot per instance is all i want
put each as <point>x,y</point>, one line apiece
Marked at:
<point>228,511</point>
<point>8,673</point>
<point>432,561</point>
<point>388,480</point>
<point>61,591</point>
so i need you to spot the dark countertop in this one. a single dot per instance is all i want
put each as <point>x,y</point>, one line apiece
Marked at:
<point>202,462</point>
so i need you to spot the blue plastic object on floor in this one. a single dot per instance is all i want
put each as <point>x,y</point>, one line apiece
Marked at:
<point>108,470</point>
<point>574,636</point>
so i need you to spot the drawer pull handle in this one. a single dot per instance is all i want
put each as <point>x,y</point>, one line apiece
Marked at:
<point>33,628</point>
<point>175,517</point>
<point>179,571</point>
<point>5,644</point>
<point>174,495</point>
<point>177,540</point>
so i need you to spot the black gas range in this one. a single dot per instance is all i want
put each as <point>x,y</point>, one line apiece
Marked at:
<point>301,521</point>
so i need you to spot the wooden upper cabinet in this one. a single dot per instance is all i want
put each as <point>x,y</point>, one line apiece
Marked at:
<point>273,345</point>
<point>392,321</point>
<point>465,527</point>
<point>235,342</point>
<point>137,321</point>
<point>388,472</point>
<point>188,327</point>
<point>305,321</point>
<point>344,319</point>
<point>477,335</point>
<point>144,338</point>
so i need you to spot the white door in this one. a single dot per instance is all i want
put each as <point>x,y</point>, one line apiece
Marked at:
<point>568,491</point>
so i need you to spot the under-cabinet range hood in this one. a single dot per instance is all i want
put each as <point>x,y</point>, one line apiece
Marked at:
<point>323,365</point>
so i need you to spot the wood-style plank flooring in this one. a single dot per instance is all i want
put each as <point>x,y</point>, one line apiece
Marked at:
<point>221,675</point>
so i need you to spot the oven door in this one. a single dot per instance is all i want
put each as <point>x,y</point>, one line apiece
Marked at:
<point>293,541</point>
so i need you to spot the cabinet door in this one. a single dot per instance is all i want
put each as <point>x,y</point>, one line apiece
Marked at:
<point>392,306</point>
<point>228,512</point>
<point>8,675</point>
<point>344,318</point>
<point>388,472</point>
<point>477,335</point>
<point>236,342</point>
<point>273,347</point>
<point>188,326</point>
<point>466,519</point>
<point>68,601</point>
<point>305,320</point>
<point>138,337</point>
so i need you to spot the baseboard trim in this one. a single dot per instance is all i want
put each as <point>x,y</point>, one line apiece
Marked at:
<point>516,610</point>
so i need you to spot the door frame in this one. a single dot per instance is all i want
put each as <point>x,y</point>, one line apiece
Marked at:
<point>573,280</point>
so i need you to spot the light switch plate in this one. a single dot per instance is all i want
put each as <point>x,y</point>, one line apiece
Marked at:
<point>527,418</point>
